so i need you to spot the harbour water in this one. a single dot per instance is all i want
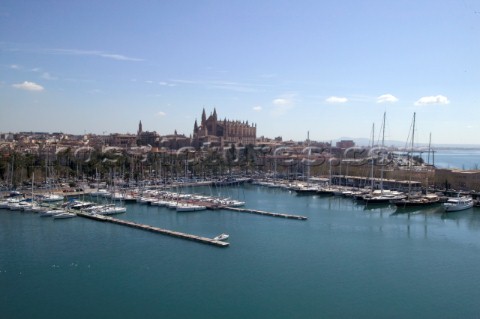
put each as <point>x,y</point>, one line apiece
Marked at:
<point>345,261</point>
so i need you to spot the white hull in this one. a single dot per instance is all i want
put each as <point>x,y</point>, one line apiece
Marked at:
<point>63,215</point>
<point>189,208</point>
<point>221,237</point>
<point>457,204</point>
<point>51,213</point>
<point>50,198</point>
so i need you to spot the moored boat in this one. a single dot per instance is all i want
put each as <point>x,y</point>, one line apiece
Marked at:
<point>50,213</point>
<point>49,198</point>
<point>221,237</point>
<point>64,215</point>
<point>455,204</point>
<point>189,207</point>
<point>417,201</point>
<point>110,210</point>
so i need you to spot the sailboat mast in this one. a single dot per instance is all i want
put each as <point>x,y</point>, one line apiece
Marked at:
<point>330,164</point>
<point>429,147</point>
<point>411,159</point>
<point>308,162</point>
<point>428,162</point>
<point>413,132</point>
<point>33,180</point>
<point>383,145</point>
<point>371,168</point>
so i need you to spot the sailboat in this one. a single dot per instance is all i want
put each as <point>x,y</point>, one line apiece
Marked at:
<point>380,196</point>
<point>415,200</point>
<point>307,189</point>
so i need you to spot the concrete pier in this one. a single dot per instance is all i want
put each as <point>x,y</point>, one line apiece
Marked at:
<point>203,240</point>
<point>260,212</point>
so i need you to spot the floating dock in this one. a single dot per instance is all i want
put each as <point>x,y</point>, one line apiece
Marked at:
<point>260,212</point>
<point>203,240</point>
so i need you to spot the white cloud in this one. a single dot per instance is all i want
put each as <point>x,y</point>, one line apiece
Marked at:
<point>336,100</point>
<point>118,57</point>
<point>387,98</point>
<point>29,86</point>
<point>257,108</point>
<point>14,66</point>
<point>163,83</point>
<point>161,114</point>
<point>281,102</point>
<point>47,76</point>
<point>431,100</point>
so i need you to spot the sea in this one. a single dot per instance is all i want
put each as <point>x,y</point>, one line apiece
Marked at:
<point>455,158</point>
<point>345,261</point>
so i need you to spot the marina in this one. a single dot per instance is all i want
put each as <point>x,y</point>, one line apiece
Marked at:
<point>239,159</point>
<point>330,256</point>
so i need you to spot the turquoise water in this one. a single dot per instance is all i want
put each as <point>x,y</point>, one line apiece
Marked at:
<point>343,262</point>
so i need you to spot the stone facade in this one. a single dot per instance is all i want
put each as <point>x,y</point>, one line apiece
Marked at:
<point>223,132</point>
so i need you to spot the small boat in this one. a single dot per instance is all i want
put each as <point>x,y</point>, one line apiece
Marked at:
<point>64,215</point>
<point>189,207</point>
<point>455,204</point>
<point>110,210</point>
<point>19,206</point>
<point>50,213</point>
<point>221,237</point>
<point>101,193</point>
<point>49,198</point>
<point>306,190</point>
<point>78,204</point>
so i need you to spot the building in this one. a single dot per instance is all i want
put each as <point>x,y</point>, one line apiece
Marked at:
<point>222,132</point>
<point>121,140</point>
<point>175,141</point>
<point>343,144</point>
<point>147,138</point>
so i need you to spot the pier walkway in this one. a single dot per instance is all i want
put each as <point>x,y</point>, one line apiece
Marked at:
<point>203,240</point>
<point>260,212</point>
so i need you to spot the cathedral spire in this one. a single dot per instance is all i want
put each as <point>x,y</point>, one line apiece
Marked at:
<point>195,127</point>
<point>204,117</point>
<point>215,113</point>
<point>140,130</point>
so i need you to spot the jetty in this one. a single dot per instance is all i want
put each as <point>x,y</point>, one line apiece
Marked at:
<point>172,233</point>
<point>261,212</point>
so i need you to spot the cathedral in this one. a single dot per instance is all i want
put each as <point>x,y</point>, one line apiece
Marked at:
<point>212,131</point>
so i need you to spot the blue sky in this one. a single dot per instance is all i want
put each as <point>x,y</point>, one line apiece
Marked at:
<point>329,67</point>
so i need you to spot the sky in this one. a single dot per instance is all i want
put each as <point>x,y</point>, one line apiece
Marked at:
<point>327,68</point>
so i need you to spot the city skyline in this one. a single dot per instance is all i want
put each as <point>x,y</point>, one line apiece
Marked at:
<point>328,68</point>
